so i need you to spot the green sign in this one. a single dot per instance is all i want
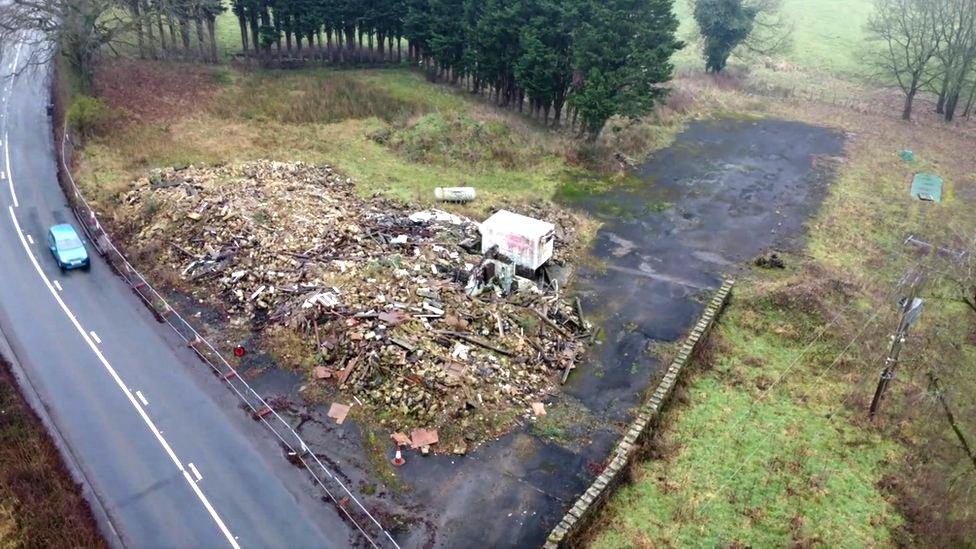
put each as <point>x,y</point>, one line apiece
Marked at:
<point>927,186</point>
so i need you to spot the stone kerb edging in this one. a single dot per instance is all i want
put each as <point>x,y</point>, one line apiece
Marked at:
<point>586,507</point>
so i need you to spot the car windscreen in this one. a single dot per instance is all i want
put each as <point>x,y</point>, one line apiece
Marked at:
<point>68,243</point>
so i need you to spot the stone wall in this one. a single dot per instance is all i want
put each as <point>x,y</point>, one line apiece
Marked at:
<point>586,508</point>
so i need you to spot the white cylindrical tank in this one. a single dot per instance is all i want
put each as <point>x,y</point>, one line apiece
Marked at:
<point>454,194</point>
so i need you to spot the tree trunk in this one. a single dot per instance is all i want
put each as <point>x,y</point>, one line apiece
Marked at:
<point>135,8</point>
<point>969,103</point>
<point>950,106</point>
<point>150,37</point>
<point>906,113</point>
<point>255,34</point>
<point>212,31</point>
<point>185,35</point>
<point>171,25</point>
<point>201,39</point>
<point>242,21</point>
<point>265,22</point>
<point>940,105</point>
<point>159,25</point>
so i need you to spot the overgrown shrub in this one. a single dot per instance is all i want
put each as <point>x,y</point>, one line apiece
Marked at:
<point>456,138</point>
<point>88,115</point>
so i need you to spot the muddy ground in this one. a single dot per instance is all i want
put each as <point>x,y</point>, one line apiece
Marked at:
<point>697,212</point>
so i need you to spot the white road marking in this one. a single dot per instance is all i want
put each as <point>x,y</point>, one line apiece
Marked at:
<point>3,175</point>
<point>30,239</point>
<point>95,337</point>
<point>10,180</point>
<point>142,399</point>
<point>195,472</point>
<point>58,286</point>
<point>125,390</point>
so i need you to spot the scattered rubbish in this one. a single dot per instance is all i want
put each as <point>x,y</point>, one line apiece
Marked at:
<point>422,437</point>
<point>379,293</point>
<point>771,260</point>
<point>527,241</point>
<point>400,438</point>
<point>436,216</point>
<point>925,247</point>
<point>454,194</point>
<point>325,299</point>
<point>907,155</point>
<point>491,274</point>
<point>928,187</point>
<point>338,412</point>
<point>538,409</point>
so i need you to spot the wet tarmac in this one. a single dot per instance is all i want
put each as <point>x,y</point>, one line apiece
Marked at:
<point>701,209</point>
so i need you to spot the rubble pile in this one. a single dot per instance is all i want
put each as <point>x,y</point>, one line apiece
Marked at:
<point>402,309</point>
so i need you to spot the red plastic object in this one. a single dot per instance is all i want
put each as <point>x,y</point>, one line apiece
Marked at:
<point>398,460</point>
<point>239,351</point>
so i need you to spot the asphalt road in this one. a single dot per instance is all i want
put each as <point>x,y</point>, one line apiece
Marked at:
<point>165,450</point>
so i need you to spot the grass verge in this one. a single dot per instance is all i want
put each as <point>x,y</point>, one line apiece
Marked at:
<point>40,506</point>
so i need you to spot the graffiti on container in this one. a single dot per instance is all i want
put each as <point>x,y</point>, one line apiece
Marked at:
<point>518,245</point>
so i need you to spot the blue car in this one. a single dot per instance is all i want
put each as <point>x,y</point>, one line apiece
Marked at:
<point>68,249</point>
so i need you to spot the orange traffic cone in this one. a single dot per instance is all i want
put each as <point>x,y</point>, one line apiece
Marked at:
<point>398,460</point>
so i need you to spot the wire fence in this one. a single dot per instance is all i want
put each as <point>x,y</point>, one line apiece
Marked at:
<point>297,451</point>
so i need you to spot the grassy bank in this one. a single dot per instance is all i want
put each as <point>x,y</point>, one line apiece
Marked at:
<point>389,129</point>
<point>769,444</point>
<point>39,504</point>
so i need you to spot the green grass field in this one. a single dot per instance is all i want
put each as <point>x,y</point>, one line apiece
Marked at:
<point>775,472</point>
<point>828,35</point>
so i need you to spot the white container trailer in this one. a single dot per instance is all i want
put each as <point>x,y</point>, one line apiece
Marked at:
<point>527,241</point>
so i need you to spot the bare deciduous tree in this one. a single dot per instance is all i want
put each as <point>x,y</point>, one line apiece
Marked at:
<point>772,31</point>
<point>909,33</point>
<point>957,51</point>
<point>80,29</point>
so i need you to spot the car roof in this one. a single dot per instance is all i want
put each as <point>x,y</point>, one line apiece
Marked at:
<point>63,229</point>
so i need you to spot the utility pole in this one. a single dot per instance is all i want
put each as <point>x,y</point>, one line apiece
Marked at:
<point>911,308</point>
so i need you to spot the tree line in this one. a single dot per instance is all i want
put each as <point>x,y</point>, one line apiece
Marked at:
<point>928,45</point>
<point>586,60</point>
<point>183,29</point>
<point>81,30</point>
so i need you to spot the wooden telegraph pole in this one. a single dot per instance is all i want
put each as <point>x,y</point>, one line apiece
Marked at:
<point>911,308</point>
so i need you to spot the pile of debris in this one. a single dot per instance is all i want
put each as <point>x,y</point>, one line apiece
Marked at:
<point>402,309</point>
